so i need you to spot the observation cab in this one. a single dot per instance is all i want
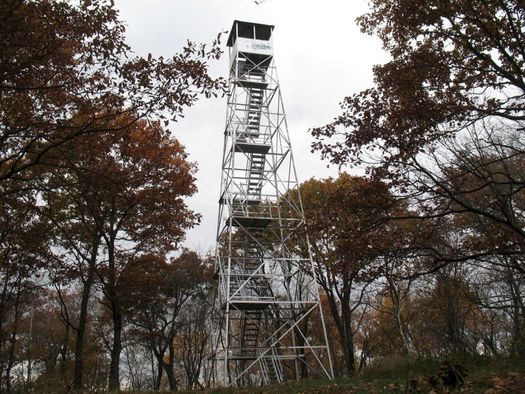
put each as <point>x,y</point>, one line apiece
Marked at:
<point>251,47</point>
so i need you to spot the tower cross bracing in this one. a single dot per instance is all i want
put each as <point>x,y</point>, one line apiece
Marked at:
<point>272,326</point>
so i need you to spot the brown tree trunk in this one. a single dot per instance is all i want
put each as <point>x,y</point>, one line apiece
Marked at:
<point>160,367</point>
<point>170,364</point>
<point>348,336</point>
<point>168,367</point>
<point>334,311</point>
<point>82,321</point>
<point>116,348</point>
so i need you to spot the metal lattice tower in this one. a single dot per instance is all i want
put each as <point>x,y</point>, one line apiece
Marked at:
<point>268,299</point>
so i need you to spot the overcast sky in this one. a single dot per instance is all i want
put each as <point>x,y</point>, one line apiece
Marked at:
<point>320,54</point>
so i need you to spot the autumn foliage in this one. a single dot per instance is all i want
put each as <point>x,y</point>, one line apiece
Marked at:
<point>442,126</point>
<point>91,181</point>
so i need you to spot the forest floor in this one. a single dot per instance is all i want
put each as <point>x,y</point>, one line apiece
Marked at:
<point>488,377</point>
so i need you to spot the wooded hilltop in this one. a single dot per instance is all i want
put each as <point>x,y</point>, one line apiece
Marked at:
<point>421,259</point>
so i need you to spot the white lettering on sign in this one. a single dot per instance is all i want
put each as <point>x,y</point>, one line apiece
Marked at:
<point>261,46</point>
<point>250,45</point>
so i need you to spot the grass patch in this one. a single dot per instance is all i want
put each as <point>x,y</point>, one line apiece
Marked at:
<point>402,375</point>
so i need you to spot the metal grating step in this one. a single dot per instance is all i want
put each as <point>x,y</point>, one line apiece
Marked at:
<point>248,147</point>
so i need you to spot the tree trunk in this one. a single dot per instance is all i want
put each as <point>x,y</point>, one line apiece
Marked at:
<point>300,353</point>
<point>348,339</point>
<point>168,367</point>
<point>114,369</point>
<point>116,348</point>
<point>160,367</point>
<point>170,364</point>
<point>152,361</point>
<point>397,306</point>
<point>82,321</point>
<point>346,317</point>
<point>517,314</point>
<point>334,311</point>
<point>63,354</point>
<point>13,339</point>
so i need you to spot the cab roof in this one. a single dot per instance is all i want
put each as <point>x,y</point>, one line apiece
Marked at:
<point>251,30</point>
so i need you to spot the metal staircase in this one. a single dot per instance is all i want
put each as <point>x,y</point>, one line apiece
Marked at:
<point>256,175</point>
<point>250,332</point>
<point>272,369</point>
<point>266,292</point>
<point>254,111</point>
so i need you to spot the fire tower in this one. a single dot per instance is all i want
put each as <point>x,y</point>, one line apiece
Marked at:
<point>272,326</point>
